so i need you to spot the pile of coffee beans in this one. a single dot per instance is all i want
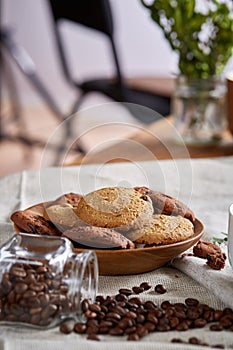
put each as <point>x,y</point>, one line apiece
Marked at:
<point>127,315</point>
<point>32,294</point>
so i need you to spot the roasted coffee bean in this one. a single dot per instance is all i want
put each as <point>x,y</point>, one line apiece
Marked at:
<point>159,288</point>
<point>29,294</point>
<point>176,340</point>
<point>149,326</point>
<point>218,346</point>
<point>191,302</point>
<point>104,323</point>
<point>125,323</point>
<point>137,290</point>
<point>163,328</point>
<point>133,337</point>
<point>37,287</point>
<point>226,321</point>
<point>113,315</point>
<point>194,340</point>
<point>93,337</point>
<point>85,305</point>
<point>67,327</point>
<point>199,323</point>
<point>90,314</point>
<point>217,315</point>
<point>150,305</point>
<point>116,331</point>
<point>121,297</point>
<point>183,326</point>
<point>130,330</point>
<point>135,300</point>
<point>95,308</point>
<point>18,271</point>
<point>193,313</point>
<point>216,327</point>
<point>48,311</point>
<point>145,286</point>
<point>92,330</point>
<point>152,318</point>
<point>80,328</point>
<point>174,321</point>
<point>125,291</point>
<point>6,286</point>
<point>142,331</point>
<point>119,310</point>
<point>140,318</point>
<point>103,330</point>
<point>165,304</point>
<point>20,288</point>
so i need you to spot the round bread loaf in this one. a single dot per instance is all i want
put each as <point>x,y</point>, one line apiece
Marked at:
<point>115,207</point>
<point>164,229</point>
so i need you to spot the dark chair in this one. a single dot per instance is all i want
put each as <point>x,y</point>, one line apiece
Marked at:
<point>97,15</point>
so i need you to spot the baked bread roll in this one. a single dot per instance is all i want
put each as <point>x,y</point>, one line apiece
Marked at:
<point>164,229</point>
<point>115,207</point>
<point>29,222</point>
<point>98,237</point>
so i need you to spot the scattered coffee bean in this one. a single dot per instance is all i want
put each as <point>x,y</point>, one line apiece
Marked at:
<point>191,302</point>
<point>137,290</point>
<point>145,285</point>
<point>125,291</point>
<point>159,288</point>
<point>67,327</point>
<point>93,337</point>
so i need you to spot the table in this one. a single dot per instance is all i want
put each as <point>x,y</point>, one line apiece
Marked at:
<point>204,184</point>
<point>159,140</point>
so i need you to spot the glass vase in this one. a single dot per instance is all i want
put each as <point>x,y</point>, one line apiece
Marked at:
<point>199,110</point>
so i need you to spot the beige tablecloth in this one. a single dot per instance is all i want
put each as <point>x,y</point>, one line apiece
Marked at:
<point>205,185</point>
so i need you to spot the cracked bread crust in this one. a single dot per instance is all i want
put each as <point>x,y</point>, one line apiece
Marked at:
<point>164,229</point>
<point>115,207</point>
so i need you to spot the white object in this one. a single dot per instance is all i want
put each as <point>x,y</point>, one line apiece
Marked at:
<point>230,235</point>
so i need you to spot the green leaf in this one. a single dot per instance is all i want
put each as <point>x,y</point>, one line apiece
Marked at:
<point>182,26</point>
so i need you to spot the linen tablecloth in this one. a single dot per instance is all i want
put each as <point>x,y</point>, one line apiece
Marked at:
<point>206,185</point>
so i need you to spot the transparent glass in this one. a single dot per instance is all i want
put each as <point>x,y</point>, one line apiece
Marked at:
<point>199,109</point>
<point>42,281</point>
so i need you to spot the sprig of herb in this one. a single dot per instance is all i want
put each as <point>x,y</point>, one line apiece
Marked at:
<point>203,37</point>
<point>220,240</point>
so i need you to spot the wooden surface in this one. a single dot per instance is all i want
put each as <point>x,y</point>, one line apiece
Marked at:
<point>156,141</point>
<point>161,85</point>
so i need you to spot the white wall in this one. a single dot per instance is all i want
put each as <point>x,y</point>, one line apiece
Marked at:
<point>142,48</point>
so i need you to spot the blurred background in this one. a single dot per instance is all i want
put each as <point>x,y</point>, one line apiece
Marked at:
<point>142,50</point>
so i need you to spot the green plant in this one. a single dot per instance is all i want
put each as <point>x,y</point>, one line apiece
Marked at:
<point>203,37</point>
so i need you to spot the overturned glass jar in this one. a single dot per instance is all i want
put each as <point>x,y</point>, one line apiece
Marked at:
<point>43,282</point>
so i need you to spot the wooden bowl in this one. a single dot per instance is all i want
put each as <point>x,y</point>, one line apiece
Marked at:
<point>134,261</point>
<point>139,260</point>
